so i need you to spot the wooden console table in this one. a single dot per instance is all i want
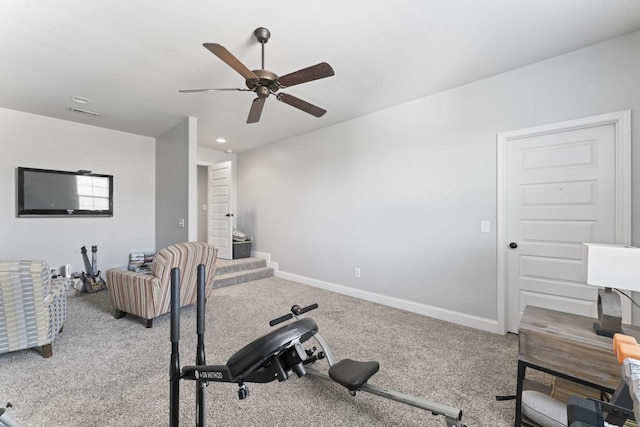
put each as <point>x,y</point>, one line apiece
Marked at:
<point>565,345</point>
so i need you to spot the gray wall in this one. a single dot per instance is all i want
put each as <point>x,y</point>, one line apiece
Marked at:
<point>42,142</point>
<point>173,185</point>
<point>401,193</point>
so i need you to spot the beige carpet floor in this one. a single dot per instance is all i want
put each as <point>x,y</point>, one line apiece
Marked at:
<point>114,372</point>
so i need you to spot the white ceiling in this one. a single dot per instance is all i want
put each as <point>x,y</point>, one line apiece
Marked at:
<point>130,57</point>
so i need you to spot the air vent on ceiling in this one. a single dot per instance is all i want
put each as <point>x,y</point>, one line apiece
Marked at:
<point>81,111</point>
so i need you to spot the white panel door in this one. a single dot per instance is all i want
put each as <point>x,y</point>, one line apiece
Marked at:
<point>561,190</point>
<point>219,217</point>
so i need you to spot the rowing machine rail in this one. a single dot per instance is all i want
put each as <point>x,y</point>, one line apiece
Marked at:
<point>453,416</point>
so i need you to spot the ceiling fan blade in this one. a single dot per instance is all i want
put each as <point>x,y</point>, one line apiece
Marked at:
<point>301,105</point>
<point>256,110</point>
<point>315,72</point>
<point>226,56</point>
<point>212,90</point>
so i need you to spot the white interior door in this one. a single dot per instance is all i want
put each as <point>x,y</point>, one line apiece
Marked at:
<point>220,215</point>
<point>562,185</point>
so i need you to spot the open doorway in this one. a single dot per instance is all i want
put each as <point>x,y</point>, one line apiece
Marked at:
<point>215,206</point>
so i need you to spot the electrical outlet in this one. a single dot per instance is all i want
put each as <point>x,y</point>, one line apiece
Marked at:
<point>357,272</point>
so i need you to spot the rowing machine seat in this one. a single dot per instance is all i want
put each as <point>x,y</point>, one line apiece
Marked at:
<point>353,374</point>
<point>256,353</point>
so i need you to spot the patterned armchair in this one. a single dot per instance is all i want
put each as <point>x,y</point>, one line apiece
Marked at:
<point>149,295</point>
<point>32,306</point>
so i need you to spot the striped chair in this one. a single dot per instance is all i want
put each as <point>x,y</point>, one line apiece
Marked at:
<point>149,295</point>
<point>32,306</point>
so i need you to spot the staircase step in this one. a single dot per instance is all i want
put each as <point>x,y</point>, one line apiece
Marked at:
<point>235,277</point>
<point>225,266</point>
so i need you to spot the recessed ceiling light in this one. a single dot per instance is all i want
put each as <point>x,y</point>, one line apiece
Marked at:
<point>221,140</point>
<point>228,151</point>
<point>80,100</point>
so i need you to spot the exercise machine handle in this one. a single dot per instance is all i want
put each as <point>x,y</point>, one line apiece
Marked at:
<point>295,311</point>
<point>281,319</point>
<point>298,311</point>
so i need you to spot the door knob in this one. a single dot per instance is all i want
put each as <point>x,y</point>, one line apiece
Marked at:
<point>229,215</point>
<point>513,245</point>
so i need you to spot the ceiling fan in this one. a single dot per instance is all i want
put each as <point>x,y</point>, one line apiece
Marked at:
<point>265,83</point>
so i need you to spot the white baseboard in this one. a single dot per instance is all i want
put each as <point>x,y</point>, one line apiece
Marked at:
<point>463,319</point>
<point>267,257</point>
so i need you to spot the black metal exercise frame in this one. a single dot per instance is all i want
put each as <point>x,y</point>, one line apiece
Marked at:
<point>280,362</point>
<point>273,356</point>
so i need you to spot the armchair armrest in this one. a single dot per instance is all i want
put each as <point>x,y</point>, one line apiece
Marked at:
<point>56,300</point>
<point>57,288</point>
<point>132,292</point>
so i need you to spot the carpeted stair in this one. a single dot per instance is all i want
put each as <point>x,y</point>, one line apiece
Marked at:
<point>232,272</point>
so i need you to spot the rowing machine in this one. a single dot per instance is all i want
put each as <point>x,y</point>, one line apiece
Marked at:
<point>275,355</point>
<point>5,419</point>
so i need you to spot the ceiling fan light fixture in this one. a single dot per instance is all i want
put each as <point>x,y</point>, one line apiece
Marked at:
<point>263,92</point>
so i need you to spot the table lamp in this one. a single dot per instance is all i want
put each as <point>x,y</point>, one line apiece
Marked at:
<point>611,266</point>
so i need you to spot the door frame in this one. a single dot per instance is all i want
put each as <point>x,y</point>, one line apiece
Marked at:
<point>622,122</point>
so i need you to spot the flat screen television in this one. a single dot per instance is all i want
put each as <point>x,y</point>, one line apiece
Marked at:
<point>43,192</point>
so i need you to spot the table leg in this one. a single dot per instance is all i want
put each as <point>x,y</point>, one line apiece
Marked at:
<point>521,370</point>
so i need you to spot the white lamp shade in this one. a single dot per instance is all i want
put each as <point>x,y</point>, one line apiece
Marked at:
<point>612,266</point>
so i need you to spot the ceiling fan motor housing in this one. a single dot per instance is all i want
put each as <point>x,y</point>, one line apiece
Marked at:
<point>265,85</point>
